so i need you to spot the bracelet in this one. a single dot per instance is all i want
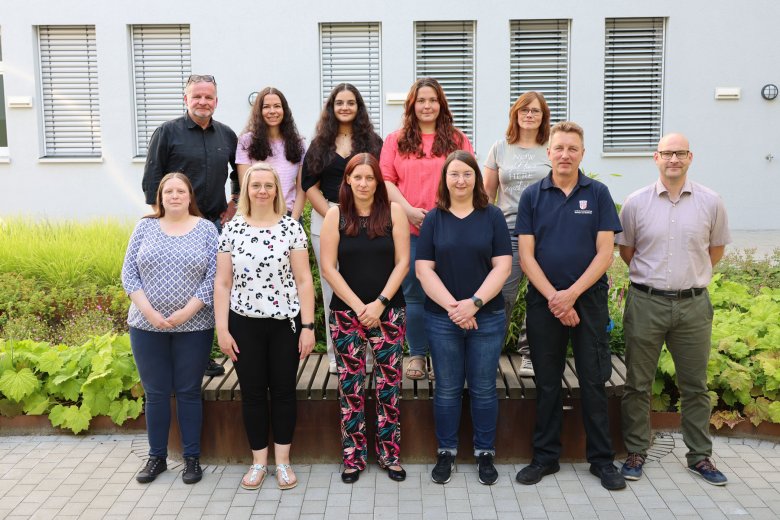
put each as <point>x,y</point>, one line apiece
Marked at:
<point>384,301</point>
<point>309,326</point>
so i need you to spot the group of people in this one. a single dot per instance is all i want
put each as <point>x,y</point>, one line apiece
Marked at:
<point>414,244</point>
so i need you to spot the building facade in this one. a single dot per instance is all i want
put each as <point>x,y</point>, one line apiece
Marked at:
<point>84,83</point>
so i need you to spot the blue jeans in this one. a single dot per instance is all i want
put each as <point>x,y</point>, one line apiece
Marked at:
<point>172,362</point>
<point>465,356</point>
<point>415,311</point>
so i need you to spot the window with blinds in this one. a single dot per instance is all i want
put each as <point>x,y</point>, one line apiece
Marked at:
<point>3,122</point>
<point>445,51</point>
<point>161,65</point>
<point>539,60</point>
<point>69,91</point>
<point>633,84</point>
<point>351,53</point>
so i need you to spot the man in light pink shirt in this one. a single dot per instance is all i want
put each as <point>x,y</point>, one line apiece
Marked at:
<point>674,232</point>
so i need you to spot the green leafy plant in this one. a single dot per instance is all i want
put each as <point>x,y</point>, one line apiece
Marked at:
<point>71,384</point>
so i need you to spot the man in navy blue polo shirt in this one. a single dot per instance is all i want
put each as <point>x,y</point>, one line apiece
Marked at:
<point>566,225</point>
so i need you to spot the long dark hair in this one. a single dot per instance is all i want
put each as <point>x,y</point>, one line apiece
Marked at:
<point>260,148</point>
<point>193,206</point>
<point>479,198</point>
<point>323,146</point>
<point>378,221</point>
<point>448,138</point>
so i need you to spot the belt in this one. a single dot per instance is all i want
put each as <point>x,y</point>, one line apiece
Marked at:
<point>672,295</point>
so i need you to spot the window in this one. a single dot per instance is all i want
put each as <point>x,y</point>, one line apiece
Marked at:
<point>3,122</point>
<point>633,84</point>
<point>350,53</point>
<point>69,91</point>
<point>161,66</point>
<point>445,51</point>
<point>539,60</point>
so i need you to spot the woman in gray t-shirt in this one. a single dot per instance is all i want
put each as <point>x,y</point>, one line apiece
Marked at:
<point>514,163</point>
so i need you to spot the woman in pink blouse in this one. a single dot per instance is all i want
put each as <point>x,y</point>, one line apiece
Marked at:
<point>411,162</point>
<point>271,136</point>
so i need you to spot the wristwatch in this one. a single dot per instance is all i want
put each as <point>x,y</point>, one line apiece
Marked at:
<point>309,326</point>
<point>477,301</point>
<point>384,301</point>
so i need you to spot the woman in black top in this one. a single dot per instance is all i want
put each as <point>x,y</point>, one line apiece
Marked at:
<point>365,256</point>
<point>343,130</point>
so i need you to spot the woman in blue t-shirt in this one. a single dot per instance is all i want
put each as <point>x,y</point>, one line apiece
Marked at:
<point>464,256</point>
<point>365,256</point>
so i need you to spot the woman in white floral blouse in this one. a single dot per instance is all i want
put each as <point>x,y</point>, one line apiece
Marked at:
<point>264,310</point>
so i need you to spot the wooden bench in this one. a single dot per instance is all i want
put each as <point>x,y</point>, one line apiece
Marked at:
<point>317,434</point>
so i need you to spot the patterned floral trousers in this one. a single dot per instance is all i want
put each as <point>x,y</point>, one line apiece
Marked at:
<point>350,340</point>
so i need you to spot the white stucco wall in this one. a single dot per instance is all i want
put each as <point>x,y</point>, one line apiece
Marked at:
<point>248,45</point>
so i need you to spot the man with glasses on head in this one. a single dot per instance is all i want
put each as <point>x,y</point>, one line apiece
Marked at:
<point>201,148</point>
<point>674,232</point>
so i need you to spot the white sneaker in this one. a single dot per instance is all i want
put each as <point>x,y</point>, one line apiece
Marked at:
<point>332,368</point>
<point>526,367</point>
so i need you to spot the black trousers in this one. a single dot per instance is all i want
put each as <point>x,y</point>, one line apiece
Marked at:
<point>268,360</point>
<point>548,339</point>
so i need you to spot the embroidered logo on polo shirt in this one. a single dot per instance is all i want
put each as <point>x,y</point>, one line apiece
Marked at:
<point>583,209</point>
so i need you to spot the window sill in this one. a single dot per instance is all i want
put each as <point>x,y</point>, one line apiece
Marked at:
<point>138,160</point>
<point>626,154</point>
<point>75,160</point>
<point>4,159</point>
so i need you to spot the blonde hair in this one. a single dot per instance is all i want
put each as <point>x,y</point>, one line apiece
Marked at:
<point>244,207</point>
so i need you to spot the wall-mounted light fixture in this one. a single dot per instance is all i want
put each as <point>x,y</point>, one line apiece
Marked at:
<point>252,98</point>
<point>769,91</point>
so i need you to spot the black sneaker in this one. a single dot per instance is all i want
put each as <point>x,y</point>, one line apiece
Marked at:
<point>442,472</point>
<point>154,466</point>
<point>610,476</point>
<point>487,471</point>
<point>214,369</point>
<point>192,472</point>
<point>534,472</point>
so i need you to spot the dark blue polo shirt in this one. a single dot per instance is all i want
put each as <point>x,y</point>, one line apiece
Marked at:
<point>565,228</point>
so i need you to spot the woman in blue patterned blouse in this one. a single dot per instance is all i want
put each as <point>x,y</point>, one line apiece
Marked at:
<point>169,273</point>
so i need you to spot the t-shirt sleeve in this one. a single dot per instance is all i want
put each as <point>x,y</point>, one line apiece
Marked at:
<point>720,235</point>
<point>425,249</point>
<point>131,276</point>
<point>491,161</point>
<point>308,177</point>
<point>226,238</point>
<point>242,149</point>
<point>524,224</point>
<point>387,158</point>
<point>466,145</point>
<point>608,217</point>
<point>502,244</point>
<point>298,235</point>
<point>627,216</point>
<point>205,291</point>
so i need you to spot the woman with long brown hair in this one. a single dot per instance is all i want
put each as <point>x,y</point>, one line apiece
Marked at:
<point>365,256</point>
<point>411,162</point>
<point>344,129</point>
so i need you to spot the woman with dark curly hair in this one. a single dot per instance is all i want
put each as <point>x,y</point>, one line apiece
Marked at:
<point>344,129</point>
<point>411,162</point>
<point>271,136</point>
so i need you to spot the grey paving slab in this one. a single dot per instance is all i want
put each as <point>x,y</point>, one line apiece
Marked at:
<point>94,477</point>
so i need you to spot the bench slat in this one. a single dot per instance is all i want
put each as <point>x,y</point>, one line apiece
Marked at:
<point>529,385</point>
<point>317,392</point>
<point>570,382</point>
<point>307,374</point>
<point>229,383</point>
<point>513,387</point>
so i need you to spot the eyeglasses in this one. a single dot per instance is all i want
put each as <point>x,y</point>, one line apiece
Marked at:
<point>533,111</point>
<point>197,78</point>
<point>667,154</point>
<point>456,176</point>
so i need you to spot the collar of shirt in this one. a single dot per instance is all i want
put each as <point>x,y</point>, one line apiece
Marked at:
<point>660,188</point>
<point>582,180</point>
<point>192,124</point>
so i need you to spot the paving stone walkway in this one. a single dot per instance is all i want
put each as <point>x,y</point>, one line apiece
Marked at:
<point>93,477</point>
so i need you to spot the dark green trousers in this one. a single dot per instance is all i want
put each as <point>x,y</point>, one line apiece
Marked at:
<point>685,325</point>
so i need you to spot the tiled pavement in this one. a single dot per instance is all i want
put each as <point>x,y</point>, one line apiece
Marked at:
<point>93,477</point>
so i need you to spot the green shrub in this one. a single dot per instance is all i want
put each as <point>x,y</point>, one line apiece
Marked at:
<point>72,384</point>
<point>79,328</point>
<point>27,326</point>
